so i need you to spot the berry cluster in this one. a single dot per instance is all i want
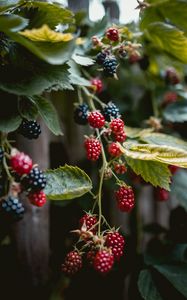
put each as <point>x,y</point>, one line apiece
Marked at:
<point>100,250</point>
<point>25,177</point>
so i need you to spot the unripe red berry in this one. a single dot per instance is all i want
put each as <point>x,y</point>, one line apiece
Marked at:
<point>120,168</point>
<point>89,221</point>
<point>72,263</point>
<point>38,198</point>
<point>21,163</point>
<point>98,84</point>
<point>96,119</point>
<point>103,261</point>
<point>114,150</point>
<point>91,256</point>
<point>162,195</point>
<point>120,137</point>
<point>115,241</point>
<point>112,34</point>
<point>93,148</point>
<point>125,198</point>
<point>117,126</point>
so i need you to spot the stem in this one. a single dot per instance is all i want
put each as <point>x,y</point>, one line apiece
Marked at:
<point>99,198</point>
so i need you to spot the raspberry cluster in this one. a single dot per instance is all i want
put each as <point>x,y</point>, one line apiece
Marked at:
<point>99,250</point>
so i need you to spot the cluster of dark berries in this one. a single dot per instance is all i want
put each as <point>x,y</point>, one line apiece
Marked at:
<point>99,250</point>
<point>108,62</point>
<point>30,179</point>
<point>29,129</point>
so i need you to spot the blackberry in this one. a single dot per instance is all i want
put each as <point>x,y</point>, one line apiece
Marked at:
<point>30,129</point>
<point>100,58</point>
<point>81,114</point>
<point>34,181</point>
<point>144,62</point>
<point>110,66</point>
<point>12,209</point>
<point>111,111</point>
<point>1,154</point>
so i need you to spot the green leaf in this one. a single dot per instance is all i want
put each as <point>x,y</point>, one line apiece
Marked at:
<point>17,78</point>
<point>75,75</point>
<point>176,112</point>
<point>11,22</point>
<point>176,274</point>
<point>163,139</point>
<point>28,109</point>
<point>161,153</point>
<point>178,187</point>
<point>67,183</point>
<point>169,39</point>
<point>49,13</point>
<point>82,60</point>
<point>132,132</point>
<point>48,113</point>
<point>156,173</point>
<point>147,287</point>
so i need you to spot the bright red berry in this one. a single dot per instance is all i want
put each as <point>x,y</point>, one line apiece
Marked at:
<point>112,34</point>
<point>125,198</point>
<point>162,195</point>
<point>21,163</point>
<point>170,97</point>
<point>173,169</point>
<point>38,198</point>
<point>98,84</point>
<point>114,150</point>
<point>89,221</point>
<point>96,119</point>
<point>115,241</point>
<point>93,148</point>
<point>120,168</point>
<point>103,261</point>
<point>120,137</point>
<point>117,125</point>
<point>72,263</point>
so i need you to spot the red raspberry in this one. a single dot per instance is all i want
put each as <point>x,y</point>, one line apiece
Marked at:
<point>38,198</point>
<point>96,119</point>
<point>172,76</point>
<point>120,137</point>
<point>103,261</point>
<point>173,169</point>
<point>117,126</point>
<point>93,148</point>
<point>21,163</point>
<point>125,198</point>
<point>162,195</point>
<point>112,34</point>
<point>116,242</point>
<point>89,221</point>
<point>170,97</point>
<point>72,263</point>
<point>98,84</point>
<point>120,168</point>
<point>114,150</point>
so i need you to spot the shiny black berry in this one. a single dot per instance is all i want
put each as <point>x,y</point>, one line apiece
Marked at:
<point>30,129</point>
<point>100,58</point>
<point>110,66</point>
<point>12,208</point>
<point>34,181</point>
<point>1,154</point>
<point>111,111</point>
<point>144,62</point>
<point>81,114</point>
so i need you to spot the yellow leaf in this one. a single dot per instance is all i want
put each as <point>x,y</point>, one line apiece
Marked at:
<point>45,34</point>
<point>80,41</point>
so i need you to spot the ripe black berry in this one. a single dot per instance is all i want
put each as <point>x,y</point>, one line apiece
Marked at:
<point>1,154</point>
<point>111,111</point>
<point>100,58</point>
<point>35,180</point>
<point>81,114</point>
<point>12,208</point>
<point>30,129</point>
<point>144,62</point>
<point>110,66</point>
